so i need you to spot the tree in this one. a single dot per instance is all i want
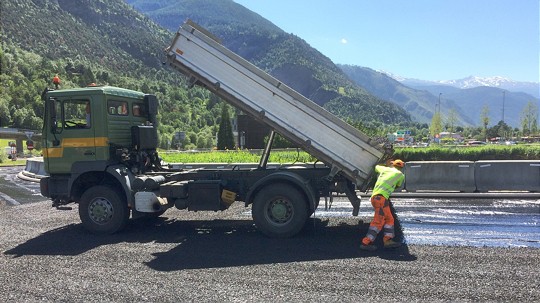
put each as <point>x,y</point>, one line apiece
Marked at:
<point>484,118</point>
<point>451,120</point>
<point>500,130</point>
<point>529,118</point>
<point>436,124</point>
<point>5,118</point>
<point>225,134</point>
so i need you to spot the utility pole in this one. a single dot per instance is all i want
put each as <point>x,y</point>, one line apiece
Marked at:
<point>504,93</point>
<point>439,103</point>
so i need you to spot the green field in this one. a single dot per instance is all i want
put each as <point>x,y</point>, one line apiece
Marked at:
<point>237,156</point>
<point>472,153</point>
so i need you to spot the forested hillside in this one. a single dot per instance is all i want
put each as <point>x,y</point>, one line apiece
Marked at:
<point>285,56</point>
<point>108,42</point>
<point>92,52</point>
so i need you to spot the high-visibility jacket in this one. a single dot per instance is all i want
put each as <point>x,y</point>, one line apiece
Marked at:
<point>389,178</point>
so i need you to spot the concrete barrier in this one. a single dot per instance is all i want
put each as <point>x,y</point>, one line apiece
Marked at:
<point>507,175</point>
<point>34,170</point>
<point>440,176</point>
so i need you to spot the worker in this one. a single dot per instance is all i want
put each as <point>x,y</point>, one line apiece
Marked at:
<point>56,81</point>
<point>389,179</point>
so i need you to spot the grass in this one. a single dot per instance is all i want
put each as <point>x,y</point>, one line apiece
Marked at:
<point>9,162</point>
<point>237,156</point>
<point>436,153</point>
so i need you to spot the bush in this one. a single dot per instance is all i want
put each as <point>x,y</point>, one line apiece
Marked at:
<point>476,153</point>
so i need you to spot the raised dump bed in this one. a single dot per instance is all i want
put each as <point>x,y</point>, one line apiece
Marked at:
<point>196,53</point>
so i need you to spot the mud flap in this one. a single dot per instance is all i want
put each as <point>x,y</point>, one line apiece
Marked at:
<point>353,198</point>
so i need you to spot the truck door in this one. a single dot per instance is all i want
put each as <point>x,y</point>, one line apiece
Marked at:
<point>70,134</point>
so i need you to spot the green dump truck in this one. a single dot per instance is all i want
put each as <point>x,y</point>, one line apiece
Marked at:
<point>100,148</point>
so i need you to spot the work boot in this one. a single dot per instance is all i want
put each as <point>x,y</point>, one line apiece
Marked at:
<point>355,206</point>
<point>369,247</point>
<point>391,244</point>
<point>355,210</point>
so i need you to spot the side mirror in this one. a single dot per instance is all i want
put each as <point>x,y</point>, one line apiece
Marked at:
<point>152,105</point>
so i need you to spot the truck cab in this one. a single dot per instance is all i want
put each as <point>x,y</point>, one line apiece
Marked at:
<point>96,135</point>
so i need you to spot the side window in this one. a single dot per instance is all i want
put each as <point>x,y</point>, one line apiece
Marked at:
<point>118,108</point>
<point>139,110</point>
<point>76,114</point>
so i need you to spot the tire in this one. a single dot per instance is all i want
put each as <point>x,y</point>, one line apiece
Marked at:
<point>279,210</point>
<point>103,210</point>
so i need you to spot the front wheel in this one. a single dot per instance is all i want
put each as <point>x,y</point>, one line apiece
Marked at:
<point>280,210</point>
<point>103,210</point>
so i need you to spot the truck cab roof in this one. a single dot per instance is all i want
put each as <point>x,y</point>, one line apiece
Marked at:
<point>100,90</point>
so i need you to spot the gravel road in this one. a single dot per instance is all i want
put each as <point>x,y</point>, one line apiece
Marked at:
<point>46,255</point>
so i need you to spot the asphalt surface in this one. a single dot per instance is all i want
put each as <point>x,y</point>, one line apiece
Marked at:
<point>46,255</point>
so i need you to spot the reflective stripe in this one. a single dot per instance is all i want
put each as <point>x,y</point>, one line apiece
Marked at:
<point>58,152</point>
<point>372,233</point>
<point>388,230</point>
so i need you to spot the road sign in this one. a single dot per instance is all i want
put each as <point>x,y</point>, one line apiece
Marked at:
<point>29,134</point>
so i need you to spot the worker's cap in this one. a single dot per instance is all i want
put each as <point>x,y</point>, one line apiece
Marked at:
<point>398,163</point>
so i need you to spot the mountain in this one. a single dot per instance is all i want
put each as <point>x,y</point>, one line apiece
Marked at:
<point>285,56</point>
<point>89,41</point>
<point>472,100</point>
<point>472,93</point>
<point>108,33</point>
<point>531,88</point>
<point>421,104</point>
<point>109,42</point>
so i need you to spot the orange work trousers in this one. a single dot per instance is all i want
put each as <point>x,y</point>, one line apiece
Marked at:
<point>382,220</point>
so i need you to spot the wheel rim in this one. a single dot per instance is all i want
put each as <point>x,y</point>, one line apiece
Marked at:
<point>279,211</point>
<point>100,210</point>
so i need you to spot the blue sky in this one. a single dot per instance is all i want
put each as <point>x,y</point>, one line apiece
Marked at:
<point>422,39</point>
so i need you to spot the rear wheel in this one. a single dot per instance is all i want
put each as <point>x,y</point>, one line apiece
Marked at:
<point>103,210</point>
<point>280,210</point>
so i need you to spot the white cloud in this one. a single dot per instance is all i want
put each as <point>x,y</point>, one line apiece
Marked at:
<point>343,41</point>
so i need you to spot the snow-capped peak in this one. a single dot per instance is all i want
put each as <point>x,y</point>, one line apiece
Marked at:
<point>532,88</point>
<point>473,81</point>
